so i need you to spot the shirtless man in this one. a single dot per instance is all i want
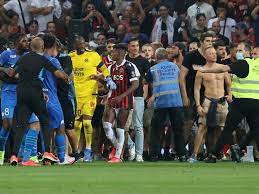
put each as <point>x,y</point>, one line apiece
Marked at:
<point>214,99</point>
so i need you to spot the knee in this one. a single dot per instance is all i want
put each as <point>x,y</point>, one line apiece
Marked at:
<point>7,125</point>
<point>61,131</point>
<point>35,125</point>
<point>88,126</point>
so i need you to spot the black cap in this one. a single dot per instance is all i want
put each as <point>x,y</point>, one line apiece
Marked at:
<point>121,46</point>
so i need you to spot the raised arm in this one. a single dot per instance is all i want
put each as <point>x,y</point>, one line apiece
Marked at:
<point>217,69</point>
<point>255,12</point>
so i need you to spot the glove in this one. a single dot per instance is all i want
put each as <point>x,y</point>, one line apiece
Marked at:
<point>110,83</point>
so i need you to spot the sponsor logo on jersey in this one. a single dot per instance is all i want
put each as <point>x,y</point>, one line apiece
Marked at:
<point>117,77</point>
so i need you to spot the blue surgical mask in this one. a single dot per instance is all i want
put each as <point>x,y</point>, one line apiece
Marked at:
<point>239,56</point>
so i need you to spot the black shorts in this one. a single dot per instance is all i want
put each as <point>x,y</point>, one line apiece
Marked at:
<point>68,108</point>
<point>98,115</point>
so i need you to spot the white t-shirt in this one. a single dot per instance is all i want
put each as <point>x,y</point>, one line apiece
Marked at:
<point>14,6</point>
<point>205,8</point>
<point>229,26</point>
<point>43,19</point>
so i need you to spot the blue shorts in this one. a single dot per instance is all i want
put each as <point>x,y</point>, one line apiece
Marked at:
<point>8,103</point>
<point>33,118</point>
<point>56,118</point>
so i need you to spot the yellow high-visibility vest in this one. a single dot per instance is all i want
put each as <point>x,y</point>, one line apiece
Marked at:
<point>247,87</point>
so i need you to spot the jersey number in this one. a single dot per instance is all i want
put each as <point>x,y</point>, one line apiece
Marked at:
<point>6,112</point>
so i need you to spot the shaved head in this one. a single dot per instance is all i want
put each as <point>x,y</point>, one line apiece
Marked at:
<point>37,45</point>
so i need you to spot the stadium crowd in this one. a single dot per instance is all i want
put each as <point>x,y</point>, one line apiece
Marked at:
<point>120,80</point>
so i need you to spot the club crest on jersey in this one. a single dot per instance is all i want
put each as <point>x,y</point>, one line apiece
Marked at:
<point>86,60</point>
<point>121,70</point>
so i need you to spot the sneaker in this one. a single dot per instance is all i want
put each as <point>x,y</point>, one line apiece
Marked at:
<point>99,157</point>
<point>132,153</point>
<point>139,158</point>
<point>68,160</point>
<point>235,150</point>
<point>35,159</point>
<point>226,157</point>
<point>112,153</point>
<point>30,163</point>
<point>154,158</point>
<point>115,160</point>
<point>50,156</point>
<point>192,160</point>
<point>77,156</point>
<point>2,157</point>
<point>245,158</point>
<point>13,160</point>
<point>211,159</point>
<point>87,157</point>
<point>182,159</point>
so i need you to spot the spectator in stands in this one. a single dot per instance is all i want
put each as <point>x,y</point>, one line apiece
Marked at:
<point>135,33</point>
<point>242,33</point>
<point>193,46</point>
<point>13,27</point>
<point>200,7</point>
<point>120,32</point>
<point>255,15</point>
<point>216,28</point>
<point>33,28</point>
<point>182,25</point>
<point>14,6</point>
<point>163,30</point>
<point>201,26</point>
<point>51,28</point>
<point>129,13</point>
<point>95,20</point>
<point>227,24</point>
<point>101,39</point>
<point>42,11</point>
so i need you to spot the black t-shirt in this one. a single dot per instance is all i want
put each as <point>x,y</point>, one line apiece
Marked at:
<point>143,67</point>
<point>240,68</point>
<point>225,61</point>
<point>192,58</point>
<point>63,87</point>
<point>29,67</point>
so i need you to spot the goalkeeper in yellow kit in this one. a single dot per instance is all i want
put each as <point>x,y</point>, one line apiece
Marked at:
<point>85,66</point>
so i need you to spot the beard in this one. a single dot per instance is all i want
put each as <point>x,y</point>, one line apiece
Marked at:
<point>174,56</point>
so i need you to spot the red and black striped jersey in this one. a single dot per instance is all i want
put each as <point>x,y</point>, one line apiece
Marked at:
<point>107,60</point>
<point>123,75</point>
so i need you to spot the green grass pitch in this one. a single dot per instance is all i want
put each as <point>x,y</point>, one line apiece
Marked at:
<point>132,178</point>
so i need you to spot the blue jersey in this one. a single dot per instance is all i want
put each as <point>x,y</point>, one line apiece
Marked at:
<point>56,118</point>
<point>50,81</point>
<point>8,59</point>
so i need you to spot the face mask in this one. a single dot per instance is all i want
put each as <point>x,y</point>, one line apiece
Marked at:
<point>239,56</point>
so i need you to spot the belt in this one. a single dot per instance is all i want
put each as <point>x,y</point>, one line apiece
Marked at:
<point>221,100</point>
